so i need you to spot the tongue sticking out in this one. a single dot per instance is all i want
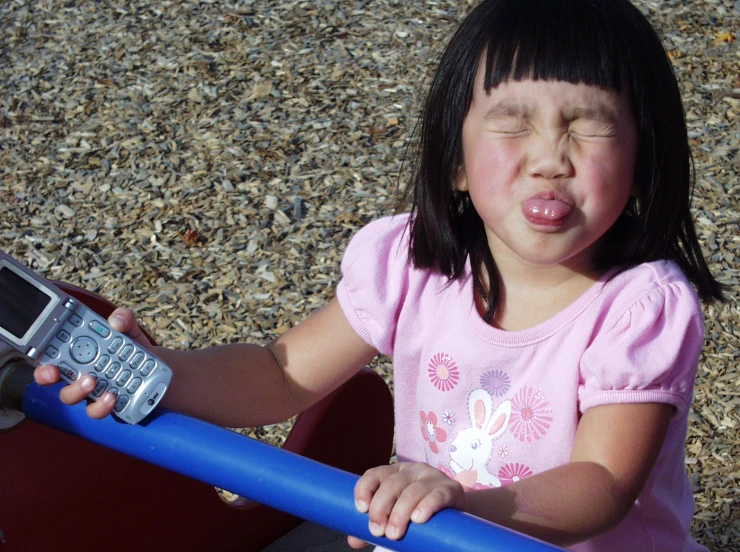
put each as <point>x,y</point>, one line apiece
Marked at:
<point>546,209</point>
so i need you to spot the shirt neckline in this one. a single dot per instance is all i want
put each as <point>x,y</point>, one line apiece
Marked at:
<point>528,336</point>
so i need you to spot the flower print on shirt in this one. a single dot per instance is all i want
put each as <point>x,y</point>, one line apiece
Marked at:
<point>531,414</point>
<point>443,372</point>
<point>513,472</point>
<point>431,432</point>
<point>496,382</point>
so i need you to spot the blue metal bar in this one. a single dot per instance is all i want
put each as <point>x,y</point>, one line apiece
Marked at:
<point>265,474</point>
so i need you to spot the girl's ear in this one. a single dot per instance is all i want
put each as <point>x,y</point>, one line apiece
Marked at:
<point>462,180</point>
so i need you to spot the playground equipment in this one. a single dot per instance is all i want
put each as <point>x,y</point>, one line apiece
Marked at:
<point>151,486</point>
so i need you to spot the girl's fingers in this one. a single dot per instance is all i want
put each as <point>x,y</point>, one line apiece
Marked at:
<point>368,484</point>
<point>438,499</point>
<point>102,407</point>
<point>356,543</point>
<point>397,487</point>
<point>46,374</point>
<point>123,320</point>
<point>77,391</point>
<point>402,493</point>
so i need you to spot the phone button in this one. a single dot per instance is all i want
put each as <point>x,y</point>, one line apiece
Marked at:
<point>112,370</point>
<point>84,349</point>
<point>75,320</point>
<point>68,372</point>
<point>102,363</point>
<point>63,335</point>
<point>126,353</point>
<point>100,388</point>
<point>121,403</point>
<point>134,385</point>
<point>137,360</point>
<point>148,367</point>
<point>117,342</point>
<point>51,351</point>
<point>99,328</point>
<point>122,380</point>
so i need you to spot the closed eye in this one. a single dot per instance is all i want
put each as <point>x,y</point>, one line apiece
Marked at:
<point>591,129</point>
<point>510,127</point>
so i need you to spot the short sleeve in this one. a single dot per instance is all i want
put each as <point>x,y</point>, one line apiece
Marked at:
<point>649,354</point>
<point>375,272</point>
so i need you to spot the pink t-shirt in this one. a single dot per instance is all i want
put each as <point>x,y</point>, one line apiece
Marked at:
<point>489,407</point>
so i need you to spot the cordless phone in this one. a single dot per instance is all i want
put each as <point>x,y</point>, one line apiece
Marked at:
<point>50,327</point>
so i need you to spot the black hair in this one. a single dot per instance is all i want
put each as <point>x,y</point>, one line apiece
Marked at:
<point>604,43</point>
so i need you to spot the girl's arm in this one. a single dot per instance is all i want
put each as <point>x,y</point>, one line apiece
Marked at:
<point>244,385</point>
<point>614,451</point>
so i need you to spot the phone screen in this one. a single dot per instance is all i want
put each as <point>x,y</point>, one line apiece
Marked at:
<point>20,303</point>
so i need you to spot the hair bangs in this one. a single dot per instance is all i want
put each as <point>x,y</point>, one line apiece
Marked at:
<point>559,40</point>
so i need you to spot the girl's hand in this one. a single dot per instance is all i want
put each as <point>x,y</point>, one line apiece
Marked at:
<point>396,494</point>
<point>121,319</point>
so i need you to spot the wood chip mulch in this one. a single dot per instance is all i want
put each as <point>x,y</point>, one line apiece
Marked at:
<point>205,162</point>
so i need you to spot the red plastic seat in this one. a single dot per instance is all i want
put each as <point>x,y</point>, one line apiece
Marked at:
<point>59,492</point>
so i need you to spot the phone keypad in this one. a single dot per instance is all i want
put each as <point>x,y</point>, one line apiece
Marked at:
<point>124,367</point>
<point>120,368</point>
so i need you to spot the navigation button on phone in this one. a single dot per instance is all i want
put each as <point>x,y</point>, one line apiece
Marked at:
<point>84,349</point>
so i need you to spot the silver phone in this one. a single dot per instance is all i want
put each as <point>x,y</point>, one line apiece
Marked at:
<point>50,327</point>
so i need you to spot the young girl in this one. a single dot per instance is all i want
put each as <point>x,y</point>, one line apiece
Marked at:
<point>537,300</point>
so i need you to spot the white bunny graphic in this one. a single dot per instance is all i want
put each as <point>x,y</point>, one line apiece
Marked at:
<point>471,448</point>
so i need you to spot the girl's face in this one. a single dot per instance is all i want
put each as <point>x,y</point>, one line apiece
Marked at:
<point>549,166</point>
